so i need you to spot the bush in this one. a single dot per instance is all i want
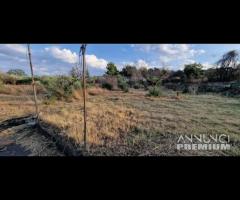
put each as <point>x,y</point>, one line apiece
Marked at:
<point>24,81</point>
<point>91,81</point>
<point>124,87</point>
<point>9,79</point>
<point>154,91</point>
<point>107,85</point>
<point>122,83</point>
<point>61,87</point>
<point>77,84</point>
<point>153,80</point>
<point>48,81</point>
<point>110,82</point>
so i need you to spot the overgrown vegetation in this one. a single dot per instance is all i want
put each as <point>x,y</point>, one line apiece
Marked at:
<point>60,87</point>
<point>122,83</point>
<point>223,78</point>
<point>16,72</point>
<point>193,71</point>
<point>154,91</point>
<point>111,69</point>
<point>107,86</point>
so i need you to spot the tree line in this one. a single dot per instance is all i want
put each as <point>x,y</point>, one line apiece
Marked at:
<point>226,69</point>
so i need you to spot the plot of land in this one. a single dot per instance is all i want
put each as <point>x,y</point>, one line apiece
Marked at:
<point>131,123</point>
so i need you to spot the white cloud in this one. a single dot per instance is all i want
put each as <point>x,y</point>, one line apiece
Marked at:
<point>11,48</point>
<point>166,53</point>
<point>207,65</point>
<point>16,52</point>
<point>49,60</point>
<point>65,55</point>
<point>20,48</point>
<point>95,62</point>
<point>189,61</point>
<point>138,64</point>
<point>142,63</point>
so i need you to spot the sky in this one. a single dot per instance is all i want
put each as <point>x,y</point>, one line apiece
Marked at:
<point>54,59</point>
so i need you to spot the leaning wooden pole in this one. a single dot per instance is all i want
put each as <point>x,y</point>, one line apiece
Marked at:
<point>83,48</point>
<point>33,82</point>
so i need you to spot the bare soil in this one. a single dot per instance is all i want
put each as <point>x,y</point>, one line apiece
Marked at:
<point>25,140</point>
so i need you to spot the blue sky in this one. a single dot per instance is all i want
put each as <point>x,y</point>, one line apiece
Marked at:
<point>51,59</point>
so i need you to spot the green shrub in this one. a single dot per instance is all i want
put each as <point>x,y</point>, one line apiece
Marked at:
<point>91,81</point>
<point>153,81</point>
<point>107,85</point>
<point>24,81</point>
<point>124,87</point>
<point>77,84</point>
<point>61,87</point>
<point>64,87</point>
<point>155,91</point>
<point>122,83</point>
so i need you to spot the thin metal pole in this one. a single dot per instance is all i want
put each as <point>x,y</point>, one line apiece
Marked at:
<point>83,48</point>
<point>33,82</point>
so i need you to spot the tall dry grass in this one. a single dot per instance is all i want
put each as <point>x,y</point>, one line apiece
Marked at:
<point>131,123</point>
<point>104,122</point>
<point>21,90</point>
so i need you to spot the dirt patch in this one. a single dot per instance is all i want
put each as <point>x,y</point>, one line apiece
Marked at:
<point>20,137</point>
<point>14,150</point>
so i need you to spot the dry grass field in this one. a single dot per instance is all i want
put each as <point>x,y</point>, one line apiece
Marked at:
<point>131,123</point>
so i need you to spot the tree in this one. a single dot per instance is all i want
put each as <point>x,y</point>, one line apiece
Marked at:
<point>129,71</point>
<point>143,71</point>
<point>237,73</point>
<point>211,74</point>
<point>154,72</point>
<point>193,71</point>
<point>164,73</point>
<point>76,72</point>
<point>176,76</point>
<point>134,76</point>
<point>112,69</point>
<point>229,59</point>
<point>227,64</point>
<point>16,72</point>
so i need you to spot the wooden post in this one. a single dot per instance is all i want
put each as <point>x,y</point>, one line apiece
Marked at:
<point>33,82</point>
<point>83,48</point>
